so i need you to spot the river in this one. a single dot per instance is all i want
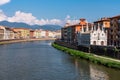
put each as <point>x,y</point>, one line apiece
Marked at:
<point>38,60</point>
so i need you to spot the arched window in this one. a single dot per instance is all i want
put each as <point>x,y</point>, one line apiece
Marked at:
<point>102,43</point>
<point>94,42</point>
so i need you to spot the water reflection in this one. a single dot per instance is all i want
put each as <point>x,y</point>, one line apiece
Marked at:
<point>91,71</point>
<point>82,69</point>
<point>97,73</point>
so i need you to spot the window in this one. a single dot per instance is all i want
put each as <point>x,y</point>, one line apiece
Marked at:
<point>102,43</point>
<point>102,34</point>
<point>118,21</point>
<point>94,42</point>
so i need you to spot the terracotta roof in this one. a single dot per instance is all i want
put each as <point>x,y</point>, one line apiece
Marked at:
<point>118,16</point>
<point>103,19</point>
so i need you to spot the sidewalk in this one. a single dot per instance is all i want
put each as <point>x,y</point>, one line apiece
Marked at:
<point>107,58</point>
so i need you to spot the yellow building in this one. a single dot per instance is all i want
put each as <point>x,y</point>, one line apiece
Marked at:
<point>24,33</point>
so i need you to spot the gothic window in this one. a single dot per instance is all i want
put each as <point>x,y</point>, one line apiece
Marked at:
<point>111,43</point>
<point>84,29</point>
<point>98,36</point>
<point>111,36</point>
<point>102,34</point>
<point>94,42</point>
<point>102,43</point>
<point>118,21</point>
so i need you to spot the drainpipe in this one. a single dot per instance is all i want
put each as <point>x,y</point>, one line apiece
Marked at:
<point>87,26</point>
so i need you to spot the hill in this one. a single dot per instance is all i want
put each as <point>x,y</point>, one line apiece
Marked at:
<point>24,25</point>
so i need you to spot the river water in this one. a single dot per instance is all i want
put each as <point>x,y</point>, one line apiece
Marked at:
<point>40,61</point>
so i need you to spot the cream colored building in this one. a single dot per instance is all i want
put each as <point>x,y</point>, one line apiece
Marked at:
<point>2,32</point>
<point>37,34</point>
<point>24,33</point>
<point>51,34</point>
<point>42,33</point>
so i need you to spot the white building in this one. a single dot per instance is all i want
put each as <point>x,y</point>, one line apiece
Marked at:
<point>57,34</point>
<point>6,33</point>
<point>9,33</point>
<point>51,34</point>
<point>42,33</point>
<point>98,36</point>
<point>37,33</point>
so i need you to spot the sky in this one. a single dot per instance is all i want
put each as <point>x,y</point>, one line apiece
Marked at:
<point>58,12</point>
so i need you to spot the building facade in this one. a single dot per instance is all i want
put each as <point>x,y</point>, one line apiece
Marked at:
<point>114,32</point>
<point>83,37</point>
<point>2,32</point>
<point>24,33</point>
<point>9,33</point>
<point>99,34</point>
<point>69,32</point>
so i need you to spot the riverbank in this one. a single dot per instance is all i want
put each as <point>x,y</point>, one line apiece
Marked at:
<point>108,62</point>
<point>23,40</point>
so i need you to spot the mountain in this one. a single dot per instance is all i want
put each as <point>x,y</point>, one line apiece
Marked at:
<point>24,25</point>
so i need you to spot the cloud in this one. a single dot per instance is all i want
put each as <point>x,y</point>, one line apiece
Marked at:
<point>2,2</point>
<point>67,17</point>
<point>28,18</point>
<point>23,17</point>
<point>2,16</point>
<point>71,21</point>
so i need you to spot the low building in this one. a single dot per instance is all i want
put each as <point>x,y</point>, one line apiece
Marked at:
<point>16,35</point>
<point>2,32</point>
<point>6,33</point>
<point>37,33</point>
<point>42,33</point>
<point>51,34</point>
<point>57,34</point>
<point>32,34</point>
<point>23,32</point>
<point>9,33</point>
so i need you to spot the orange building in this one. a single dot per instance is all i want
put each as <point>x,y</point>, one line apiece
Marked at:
<point>69,32</point>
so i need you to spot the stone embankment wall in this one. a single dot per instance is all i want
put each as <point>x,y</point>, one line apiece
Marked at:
<point>108,51</point>
<point>66,44</point>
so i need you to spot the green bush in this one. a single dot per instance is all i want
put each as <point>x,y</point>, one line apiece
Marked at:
<point>88,56</point>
